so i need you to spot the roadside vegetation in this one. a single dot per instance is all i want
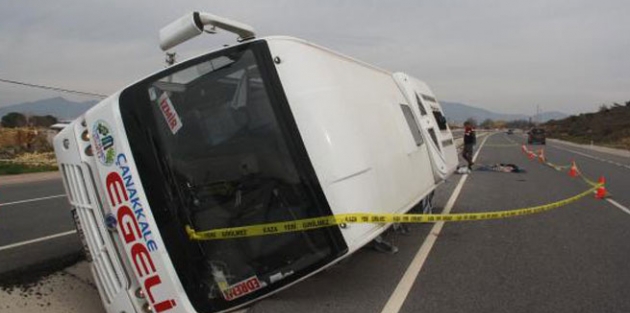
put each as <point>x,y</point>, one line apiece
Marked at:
<point>610,127</point>
<point>17,168</point>
<point>25,144</point>
<point>492,124</point>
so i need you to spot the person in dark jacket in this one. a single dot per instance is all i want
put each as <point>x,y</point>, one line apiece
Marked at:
<point>470,139</point>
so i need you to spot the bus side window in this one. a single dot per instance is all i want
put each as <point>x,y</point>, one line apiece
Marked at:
<point>413,125</point>
<point>440,119</point>
<point>423,111</point>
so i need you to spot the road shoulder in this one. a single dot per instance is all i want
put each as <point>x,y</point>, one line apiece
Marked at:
<point>616,152</point>
<point>6,180</point>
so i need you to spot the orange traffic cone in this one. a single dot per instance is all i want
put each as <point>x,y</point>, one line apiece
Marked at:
<point>573,170</point>
<point>601,190</point>
<point>541,156</point>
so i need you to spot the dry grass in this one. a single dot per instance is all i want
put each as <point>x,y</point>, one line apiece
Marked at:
<point>25,150</point>
<point>20,136</point>
<point>609,127</point>
<point>36,158</point>
<point>24,140</point>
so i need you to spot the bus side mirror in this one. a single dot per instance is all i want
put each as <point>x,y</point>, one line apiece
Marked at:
<point>180,30</point>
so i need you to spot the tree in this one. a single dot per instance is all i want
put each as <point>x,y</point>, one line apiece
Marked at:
<point>13,120</point>
<point>42,121</point>
<point>522,124</point>
<point>500,124</point>
<point>487,124</point>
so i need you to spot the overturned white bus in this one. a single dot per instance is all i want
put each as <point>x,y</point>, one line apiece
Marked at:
<point>271,129</point>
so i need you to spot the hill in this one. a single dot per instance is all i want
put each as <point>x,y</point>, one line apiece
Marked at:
<point>609,127</point>
<point>59,107</point>
<point>67,110</point>
<point>459,112</point>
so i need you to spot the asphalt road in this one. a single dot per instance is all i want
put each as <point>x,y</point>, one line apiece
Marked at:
<point>572,259</point>
<point>32,210</point>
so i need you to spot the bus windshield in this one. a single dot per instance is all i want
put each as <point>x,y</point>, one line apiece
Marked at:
<point>216,146</point>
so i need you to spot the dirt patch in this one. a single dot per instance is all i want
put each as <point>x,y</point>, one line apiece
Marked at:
<point>14,141</point>
<point>23,280</point>
<point>25,150</point>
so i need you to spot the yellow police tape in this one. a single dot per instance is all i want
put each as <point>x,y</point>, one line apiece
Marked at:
<point>561,168</point>
<point>586,179</point>
<point>558,168</point>
<point>343,219</point>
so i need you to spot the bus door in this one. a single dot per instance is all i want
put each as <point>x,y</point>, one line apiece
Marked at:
<point>432,123</point>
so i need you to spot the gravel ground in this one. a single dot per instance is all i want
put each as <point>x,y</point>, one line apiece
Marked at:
<point>50,293</point>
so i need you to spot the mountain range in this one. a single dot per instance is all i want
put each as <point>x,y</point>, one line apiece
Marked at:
<point>459,112</point>
<point>58,107</point>
<point>455,112</point>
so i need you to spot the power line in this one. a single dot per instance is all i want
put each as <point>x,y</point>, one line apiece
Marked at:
<point>52,88</point>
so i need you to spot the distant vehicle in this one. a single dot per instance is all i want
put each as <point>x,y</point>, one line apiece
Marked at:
<point>59,126</point>
<point>272,129</point>
<point>54,129</point>
<point>510,132</point>
<point>536,135</point>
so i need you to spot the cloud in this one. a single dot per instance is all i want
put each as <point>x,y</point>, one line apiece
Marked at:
<point>567,55</point>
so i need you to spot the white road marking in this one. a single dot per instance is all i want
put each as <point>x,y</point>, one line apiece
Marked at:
<point>32,200</point>
<point>592,157</point>
<point>401,292</point>
<point>28,242</point>
<point>611,201</point>
<point>621,207</point>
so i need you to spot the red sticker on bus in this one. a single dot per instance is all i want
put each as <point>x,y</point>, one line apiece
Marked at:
<point>242,288</point>
<point>170,115</point>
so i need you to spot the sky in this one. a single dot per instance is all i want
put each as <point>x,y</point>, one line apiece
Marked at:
<point>505,56</point>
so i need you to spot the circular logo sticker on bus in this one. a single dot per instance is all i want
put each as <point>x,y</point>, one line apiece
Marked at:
<point>111,222</point>
<point>103,143</point>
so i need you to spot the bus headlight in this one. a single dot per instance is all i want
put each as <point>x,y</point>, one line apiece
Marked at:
<point>139,293</point>
<point>88,151</point>
<point>85,135</point>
